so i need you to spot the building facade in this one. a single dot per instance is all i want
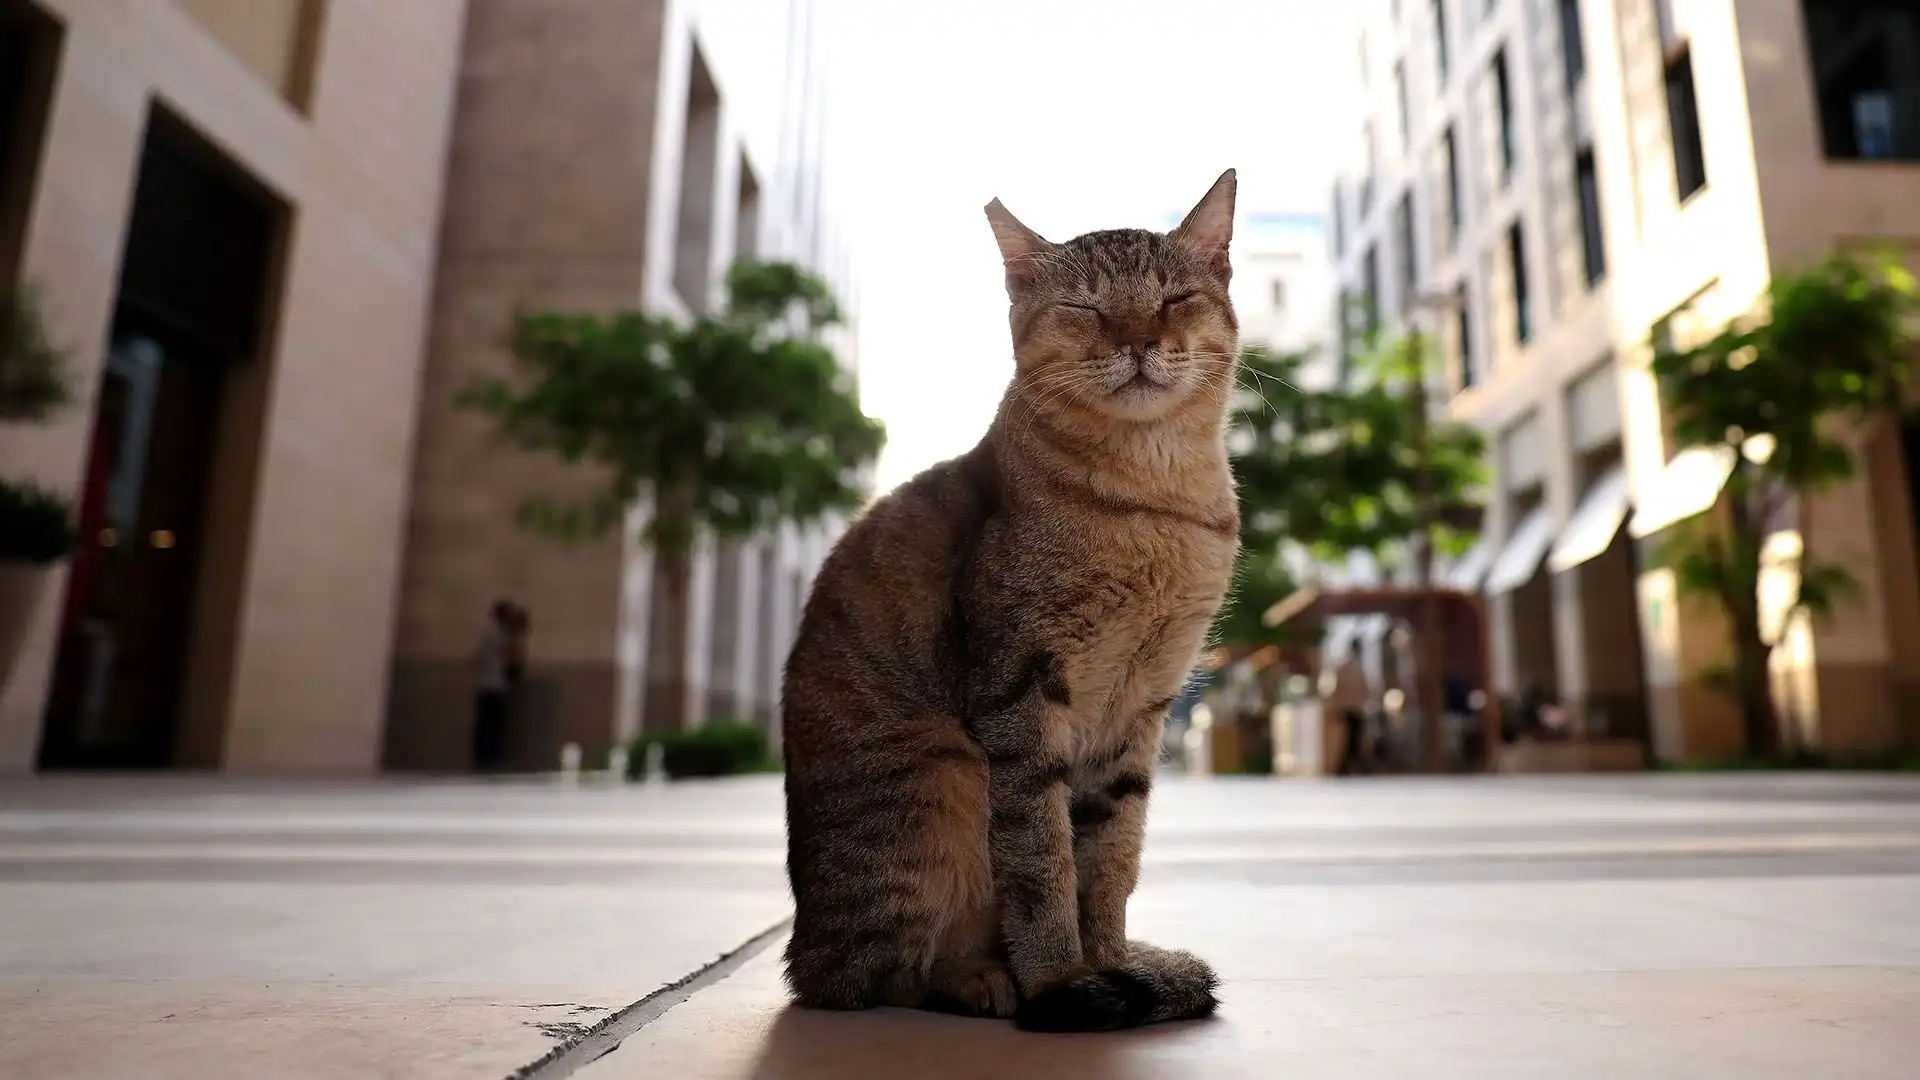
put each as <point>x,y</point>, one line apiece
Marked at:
<point>1282,279</point>
<point>1546,185</point>
<point>276,237</point>
<point>626,159</point>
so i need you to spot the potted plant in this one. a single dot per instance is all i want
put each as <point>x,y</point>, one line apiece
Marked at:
<point>36,529</point>
<point>35,534</point>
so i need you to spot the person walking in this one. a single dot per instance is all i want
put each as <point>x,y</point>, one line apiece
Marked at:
<point>1348,700</point>
<point>493,678</point>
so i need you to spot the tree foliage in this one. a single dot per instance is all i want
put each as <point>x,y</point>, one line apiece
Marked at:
<point>1779,392</point>
<point>1337,469</point>
<point>33,375</point>
<point>35,524</point>
<point>732,422</point>
<point>1260,580</point>
<point>725,424</point>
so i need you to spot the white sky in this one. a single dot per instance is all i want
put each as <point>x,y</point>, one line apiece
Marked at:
<point>1079,115</point>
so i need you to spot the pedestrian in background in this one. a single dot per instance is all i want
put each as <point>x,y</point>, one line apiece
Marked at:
<point>1348,699</point>
<point>495,671</point>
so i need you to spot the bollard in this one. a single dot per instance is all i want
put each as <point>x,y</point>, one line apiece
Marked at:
<point>570,764</point>
<point>656,763</point>
<point>617,765</point>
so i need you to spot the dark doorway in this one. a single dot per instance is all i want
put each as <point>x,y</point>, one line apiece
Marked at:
<point>194,286</point>
<point>1910,453</point>
<point>29,53</point>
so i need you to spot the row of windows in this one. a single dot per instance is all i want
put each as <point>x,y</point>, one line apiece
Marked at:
<point>1586,184</point>
<point>1864,55</point>
<point>1690,176</point>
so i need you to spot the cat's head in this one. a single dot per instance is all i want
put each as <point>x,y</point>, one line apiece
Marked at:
<point>1124,324</point>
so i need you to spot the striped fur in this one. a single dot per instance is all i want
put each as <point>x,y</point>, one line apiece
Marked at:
<point>973,706</point>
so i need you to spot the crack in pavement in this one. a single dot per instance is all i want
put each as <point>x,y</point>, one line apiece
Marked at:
<point>595,1041</point>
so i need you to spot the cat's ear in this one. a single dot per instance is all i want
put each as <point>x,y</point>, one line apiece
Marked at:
<point>1021,248</point>
<point>1208,228</point>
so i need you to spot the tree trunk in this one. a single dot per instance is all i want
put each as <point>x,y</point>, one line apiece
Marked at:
<point>1753,682</point>
<point>1754,685</point>
<point>669,616</point>
<point>667,640</point>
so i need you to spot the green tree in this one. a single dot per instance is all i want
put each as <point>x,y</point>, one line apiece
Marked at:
<point>1260,580</point>
<point>1337,469</point>
<point>1779,392</point>
<point>726,424</point>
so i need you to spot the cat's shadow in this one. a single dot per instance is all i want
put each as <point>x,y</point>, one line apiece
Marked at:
<point>807,1044</point>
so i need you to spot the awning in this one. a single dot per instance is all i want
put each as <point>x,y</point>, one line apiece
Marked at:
<point>1470,569</point>
<point>1520,559</point>
<point>1463,637</point>
<point>1689,485</point>
<point>1596,521</point>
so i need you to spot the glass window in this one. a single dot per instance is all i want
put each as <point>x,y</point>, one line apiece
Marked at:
<point>1683,122</point>
<point>1522,306</point>
<point>1866,71</point>
<point>1593,241</point>
<point>1573,52</point>
<point>1503,101</point>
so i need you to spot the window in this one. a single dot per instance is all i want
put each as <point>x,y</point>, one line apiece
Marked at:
<point>1503,101</point>
<point>1456,218</point>
<point>1573,51</point>
<point>1400,101</point>
<point>1409,255</point>
<point>1339,223</point>
<point>1373,166</point>
<point>1669,30</point>
<point>1463,332</point>
<point>1586,182</point>
<point>1517,263</point>
<point>1683,122</point>
<point>1370,299</point>
<point>1442,57</point>
<point>1866,77</point>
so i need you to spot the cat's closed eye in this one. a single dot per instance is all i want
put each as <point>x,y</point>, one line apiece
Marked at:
<point>1171,302</point>
<point>1089,309</point>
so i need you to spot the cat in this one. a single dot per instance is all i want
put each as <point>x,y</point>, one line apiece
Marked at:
<point>972,708</point>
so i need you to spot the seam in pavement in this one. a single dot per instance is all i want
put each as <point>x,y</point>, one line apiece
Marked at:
<point>605,1037</point>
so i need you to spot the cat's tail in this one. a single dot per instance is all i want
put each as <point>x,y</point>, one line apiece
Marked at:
<point>1155,985</point>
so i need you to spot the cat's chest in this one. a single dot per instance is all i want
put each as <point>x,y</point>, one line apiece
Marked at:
<point>1131,610</point>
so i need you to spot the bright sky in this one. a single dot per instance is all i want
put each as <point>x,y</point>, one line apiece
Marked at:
<point>1079,115</point>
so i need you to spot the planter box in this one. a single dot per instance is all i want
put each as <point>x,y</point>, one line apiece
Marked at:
<point>21,585</point>
<point>1593,755</point>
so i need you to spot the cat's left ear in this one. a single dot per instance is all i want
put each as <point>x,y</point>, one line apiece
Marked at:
<point>1208,228</point>
<point>1020,247</point>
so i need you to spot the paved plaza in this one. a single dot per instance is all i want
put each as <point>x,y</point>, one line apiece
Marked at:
<point>1734,926</point>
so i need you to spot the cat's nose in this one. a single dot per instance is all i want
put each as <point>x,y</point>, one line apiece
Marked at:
<point>1138,344</point>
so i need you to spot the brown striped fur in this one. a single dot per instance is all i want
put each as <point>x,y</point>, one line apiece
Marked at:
<point>972,710</point>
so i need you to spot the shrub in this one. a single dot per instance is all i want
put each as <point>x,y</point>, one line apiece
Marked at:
<point>33,377</point>
<point>34,524</point>
<point>716,748</point>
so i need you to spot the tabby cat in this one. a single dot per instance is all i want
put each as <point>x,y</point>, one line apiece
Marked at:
<point>973,708</point>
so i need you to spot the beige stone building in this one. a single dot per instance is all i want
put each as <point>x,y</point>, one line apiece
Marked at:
<point>277,236</point>
<point>690,137</point>
<point>1548,184</point>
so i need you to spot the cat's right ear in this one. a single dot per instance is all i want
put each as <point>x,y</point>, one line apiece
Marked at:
<point>1021,249</point>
